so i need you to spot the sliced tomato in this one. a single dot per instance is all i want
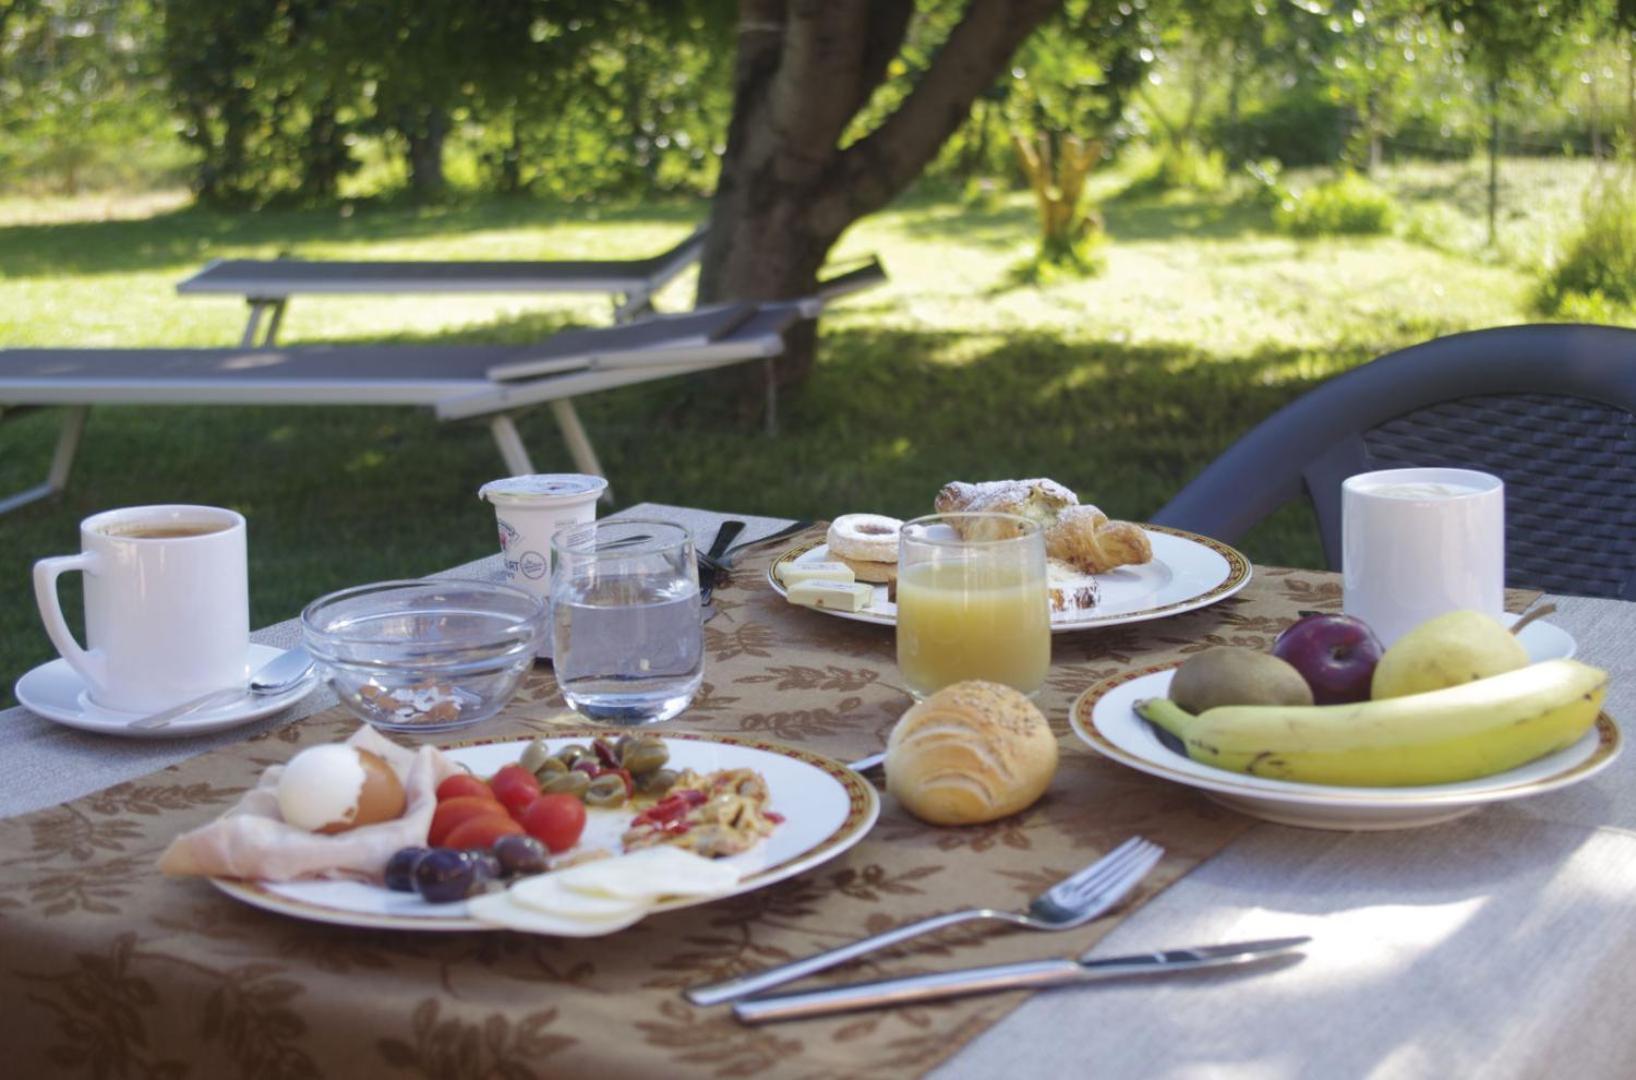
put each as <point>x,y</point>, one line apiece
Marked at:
<point>480,833</point>
<point>452,812</point>
<point>516,787</point>
<point>463,785</point>
<point>555,820</point>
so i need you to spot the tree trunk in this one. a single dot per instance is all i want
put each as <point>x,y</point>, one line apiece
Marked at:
<point>1493,160</point>
<point>1058,180</point>
<point>424,130</point>
<point>788,190</point>
<point>1630,93</point>
<point>1595,111</point>
<point>325,157</point>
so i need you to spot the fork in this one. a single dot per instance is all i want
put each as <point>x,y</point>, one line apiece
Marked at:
<point>1073,901</point>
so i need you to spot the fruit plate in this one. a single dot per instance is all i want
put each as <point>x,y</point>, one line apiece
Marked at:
<point>1105,718</point>
<point>1188,571</point>
<point>827,809</point>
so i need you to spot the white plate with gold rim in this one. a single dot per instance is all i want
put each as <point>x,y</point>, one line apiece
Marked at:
<point>1188,571</point>
<point>1104,717</point>
<point>827,808</point>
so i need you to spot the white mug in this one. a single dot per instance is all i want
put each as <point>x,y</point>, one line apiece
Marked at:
<point>167,605</point>
<point>1416,543</point>
<point>529,510</point>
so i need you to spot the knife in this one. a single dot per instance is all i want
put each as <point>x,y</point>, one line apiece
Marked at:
<point>710,566</point>
<point>984,980</point>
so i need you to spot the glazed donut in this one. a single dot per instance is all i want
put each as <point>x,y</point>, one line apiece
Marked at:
<point>865,537</point>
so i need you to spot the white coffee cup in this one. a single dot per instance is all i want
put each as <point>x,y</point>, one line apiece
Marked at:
<point>529,510</point>
<point>167,605</point>
<point>1417,543</point>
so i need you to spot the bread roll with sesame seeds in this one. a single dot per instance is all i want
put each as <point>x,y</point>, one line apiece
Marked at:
<point>970,753</point>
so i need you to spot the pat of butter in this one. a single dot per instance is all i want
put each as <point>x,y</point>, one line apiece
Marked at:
<point>841,596</point>
<point>795,573</point>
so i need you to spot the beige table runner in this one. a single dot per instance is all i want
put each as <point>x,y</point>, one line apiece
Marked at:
<point>108,968</point>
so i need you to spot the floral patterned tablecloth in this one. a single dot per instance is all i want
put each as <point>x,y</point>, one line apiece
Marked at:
<point>111,970</point>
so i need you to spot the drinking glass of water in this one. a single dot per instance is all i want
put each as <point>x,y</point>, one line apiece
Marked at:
<point>626,625</point>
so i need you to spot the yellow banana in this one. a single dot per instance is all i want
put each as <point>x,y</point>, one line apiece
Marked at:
<point>1439,737</point>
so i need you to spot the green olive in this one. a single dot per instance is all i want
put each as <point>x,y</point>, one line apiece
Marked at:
<point>535,755</point>
<point>548,768</point>
<point>606,790</point>
<point>572,753</point>
<point>644,755</point>
<point>656,782</point>
<point>568,783</point>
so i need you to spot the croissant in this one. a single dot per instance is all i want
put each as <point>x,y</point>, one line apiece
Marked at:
<point>1084,538</point>
<point>1037,500</point>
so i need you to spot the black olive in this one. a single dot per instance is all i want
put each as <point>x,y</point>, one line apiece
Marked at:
<point>400,869</point>
<point>486,865</point>
<point>521,855</point>
<point>443,876</point>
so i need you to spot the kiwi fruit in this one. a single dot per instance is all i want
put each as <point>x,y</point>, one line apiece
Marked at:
<point>1237,677</point>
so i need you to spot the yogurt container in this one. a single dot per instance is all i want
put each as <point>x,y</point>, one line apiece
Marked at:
<point>528,510</point>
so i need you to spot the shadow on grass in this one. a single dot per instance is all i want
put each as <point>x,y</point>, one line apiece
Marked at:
<point>194,234</point>
<point>1126,218</point>
<point>1184,219</point>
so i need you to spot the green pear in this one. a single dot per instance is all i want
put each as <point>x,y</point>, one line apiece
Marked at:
<point>1451,649</point>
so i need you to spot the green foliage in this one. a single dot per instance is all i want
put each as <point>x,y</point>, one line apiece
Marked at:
<point>1303,127</point>
<point>79,103</point>
<point>1349,205</point>
<point>565,97</point>
<point>1184,166</point>
<point>1267,189</point>
<point>1597,273</point>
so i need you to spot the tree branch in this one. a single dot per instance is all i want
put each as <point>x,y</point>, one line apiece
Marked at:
<point>888,25</point>
<point>875,169</point>
<point>819,70</point>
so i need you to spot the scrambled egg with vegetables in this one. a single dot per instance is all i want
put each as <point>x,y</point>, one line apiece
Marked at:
<point>715,815</point>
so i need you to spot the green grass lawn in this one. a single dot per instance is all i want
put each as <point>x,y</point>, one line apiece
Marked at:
<point>1121,386</point>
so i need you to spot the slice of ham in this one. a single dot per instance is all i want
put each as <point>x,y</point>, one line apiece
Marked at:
<point>253,841</point>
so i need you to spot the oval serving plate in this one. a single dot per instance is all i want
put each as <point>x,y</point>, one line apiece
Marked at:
<point>826,806</point>
<point>1104,717</point>
<point>1188,571</point>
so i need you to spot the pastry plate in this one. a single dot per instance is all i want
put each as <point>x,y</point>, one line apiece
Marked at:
<point>827,808</point>
<point>55,691</point>
<point>1105,718</point>
<point>1188,571</point>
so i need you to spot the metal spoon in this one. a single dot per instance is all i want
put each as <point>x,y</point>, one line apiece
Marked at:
<point>279,674</point>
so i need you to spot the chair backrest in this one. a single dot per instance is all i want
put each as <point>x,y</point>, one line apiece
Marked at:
<point>1549,409</point>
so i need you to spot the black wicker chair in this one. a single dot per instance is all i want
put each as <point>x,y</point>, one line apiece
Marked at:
<point>1549,409</point>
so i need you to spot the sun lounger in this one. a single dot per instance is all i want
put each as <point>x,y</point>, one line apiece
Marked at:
<point>458,382</point>
<point>268,284</point>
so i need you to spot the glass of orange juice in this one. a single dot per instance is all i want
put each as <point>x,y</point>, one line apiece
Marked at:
<point>972,602</point>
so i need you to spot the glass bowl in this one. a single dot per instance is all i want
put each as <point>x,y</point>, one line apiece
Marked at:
<point>424,655</point>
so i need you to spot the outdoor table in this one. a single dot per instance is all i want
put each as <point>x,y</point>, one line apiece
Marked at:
<point>1500,944</point>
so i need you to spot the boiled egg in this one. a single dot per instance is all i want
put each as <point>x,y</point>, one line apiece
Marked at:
<point>336,787</point>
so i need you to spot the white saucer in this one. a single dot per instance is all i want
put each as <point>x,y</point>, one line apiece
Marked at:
<point>1543,640</point>
<point>56,692</point>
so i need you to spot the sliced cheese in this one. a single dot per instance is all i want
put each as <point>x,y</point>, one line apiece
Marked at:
<point>835,595</point>
<point>793,573</point>
<point>547,893</point>
<point>649,874</point>
<point>499,909</point>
